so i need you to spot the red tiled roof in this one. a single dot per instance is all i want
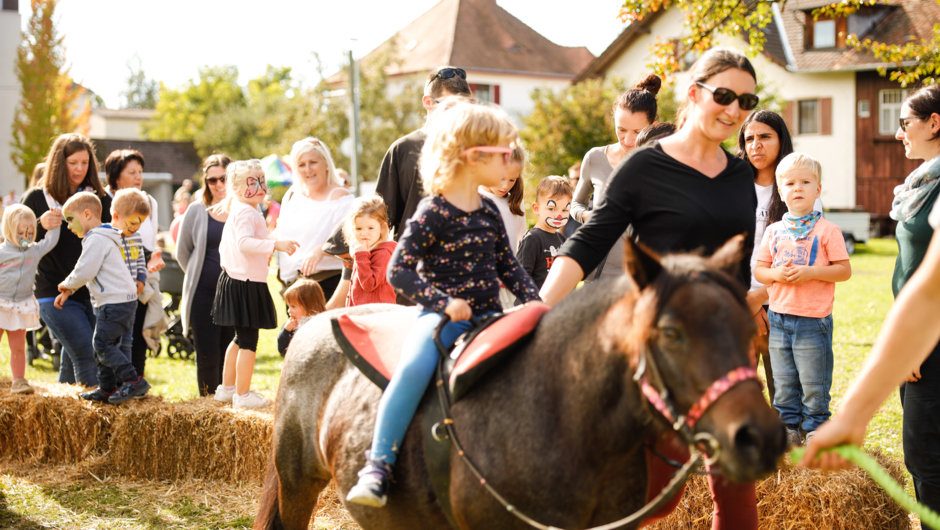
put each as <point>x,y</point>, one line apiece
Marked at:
<point>476,35</point>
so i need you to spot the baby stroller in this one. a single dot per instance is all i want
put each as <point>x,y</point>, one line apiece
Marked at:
<point>40,343</point>
<point>171,283</point>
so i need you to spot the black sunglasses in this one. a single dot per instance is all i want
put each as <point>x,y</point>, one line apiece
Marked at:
<point>903,121</point>
<point>447,73</point>
<point>212,180</point>
<point>725,97</point>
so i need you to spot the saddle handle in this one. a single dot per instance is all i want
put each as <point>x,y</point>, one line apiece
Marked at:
<point>440,328</point>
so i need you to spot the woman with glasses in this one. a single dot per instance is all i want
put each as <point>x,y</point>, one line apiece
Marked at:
<point>198,255</point>
<point>634,109</point>
<point>125,169</point>
<point>310,210</point>
<point>681,194</point>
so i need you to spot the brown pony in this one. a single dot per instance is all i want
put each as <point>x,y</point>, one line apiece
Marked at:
<point>560,429</point>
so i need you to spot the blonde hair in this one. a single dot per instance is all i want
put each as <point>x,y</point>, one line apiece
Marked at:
<point>375,208</point>
<point>453,130</point>
<point>236,173</point>
<point>12,215</point>
<point>797,160</point>
<point>130,201</point>
<point>307,294</point>
<point>308,144</point>
<point>81,201</point>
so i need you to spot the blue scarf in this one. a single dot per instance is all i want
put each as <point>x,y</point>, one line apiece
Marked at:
<point>800,227</point>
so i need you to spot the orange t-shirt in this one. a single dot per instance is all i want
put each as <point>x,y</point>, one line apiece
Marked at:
<point>823,245</point>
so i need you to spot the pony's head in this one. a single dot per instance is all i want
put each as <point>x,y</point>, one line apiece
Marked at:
<point>690,346</point>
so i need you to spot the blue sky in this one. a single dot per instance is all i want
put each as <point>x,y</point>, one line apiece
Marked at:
<point>173,38</point>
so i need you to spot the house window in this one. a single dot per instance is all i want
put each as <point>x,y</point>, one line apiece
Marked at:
<point>824,34</point>
<point>808,117</point>
<point>485,93</point>
<point>889,109</point>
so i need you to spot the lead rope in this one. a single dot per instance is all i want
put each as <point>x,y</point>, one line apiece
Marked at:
<point>694,463</point>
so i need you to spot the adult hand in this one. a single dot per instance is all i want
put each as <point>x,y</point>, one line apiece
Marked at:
<point>800,274</point>
<point>284,245</point>
<point>51,219</point>
<point>458,309</point>
<point>915,376</point>
<point>310,262</point>
<point>156,262</point>
<point>838,431</point>
<point>760,318</point>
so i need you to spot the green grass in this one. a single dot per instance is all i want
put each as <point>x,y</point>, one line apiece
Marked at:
<point>43,499</point>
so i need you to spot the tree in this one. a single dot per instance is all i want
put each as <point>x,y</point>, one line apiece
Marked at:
<point>706,19</point>
<point>50,102</point>
<point>141,92</point>
<point>181,114</point>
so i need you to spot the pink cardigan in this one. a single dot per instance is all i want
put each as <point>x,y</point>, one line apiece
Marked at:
<point>245,249</point>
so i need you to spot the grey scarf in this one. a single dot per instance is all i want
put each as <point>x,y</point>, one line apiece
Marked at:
<point>910,196</point>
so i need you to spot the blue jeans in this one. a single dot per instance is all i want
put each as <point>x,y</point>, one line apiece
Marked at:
<point>114,336</point>
<point>801,357</point>
<point>403,394</point>
<point>74,326</point>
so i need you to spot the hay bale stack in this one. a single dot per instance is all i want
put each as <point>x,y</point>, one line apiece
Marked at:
<point>201,438</point>
<point>798,499</point>
<point>55,427</point>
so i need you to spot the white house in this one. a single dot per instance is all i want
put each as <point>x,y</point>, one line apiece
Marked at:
<point>505,59</point>
<point>10,21</point>
<point>839,109</point>
<point>118,124</point>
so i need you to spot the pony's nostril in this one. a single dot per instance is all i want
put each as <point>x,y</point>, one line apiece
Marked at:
<point>747,438</point>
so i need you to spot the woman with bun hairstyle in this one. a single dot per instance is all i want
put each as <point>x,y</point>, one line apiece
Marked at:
<point>682,193</point>
<point>71,167</point>
<point>634,109</point>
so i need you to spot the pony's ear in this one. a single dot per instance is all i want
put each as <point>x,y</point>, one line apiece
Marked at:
<point>643,264</point>
<point>728,257</point>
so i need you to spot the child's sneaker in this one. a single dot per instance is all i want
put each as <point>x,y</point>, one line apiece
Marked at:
<point>223,395</point>
<point>129,390</point>
<point>251,400</point>
<point>96,395</point>
<point>372,488</point>
<point>794,438</point>
<point>21,386</point>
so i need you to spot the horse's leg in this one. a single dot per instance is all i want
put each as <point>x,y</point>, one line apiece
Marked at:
<point>299,501</point>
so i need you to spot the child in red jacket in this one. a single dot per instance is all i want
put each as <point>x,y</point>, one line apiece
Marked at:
<point>366,233</point>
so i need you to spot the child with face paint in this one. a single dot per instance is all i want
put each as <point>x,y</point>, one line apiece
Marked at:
<point>19,259</point>
<point>366,235</point>
<point>242,298</point>
<point>540,244</point>
<point>103,269</point>
<point>129,209</point>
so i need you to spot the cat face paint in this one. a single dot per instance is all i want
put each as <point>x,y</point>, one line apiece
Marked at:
<point>131,225</point>
<point>255,187</point>
<point>25,232</point>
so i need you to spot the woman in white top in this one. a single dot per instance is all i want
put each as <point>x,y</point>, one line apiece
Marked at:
<point>310,210</point>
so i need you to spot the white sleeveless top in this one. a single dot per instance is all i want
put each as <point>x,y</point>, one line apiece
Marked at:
<point>310,223</point>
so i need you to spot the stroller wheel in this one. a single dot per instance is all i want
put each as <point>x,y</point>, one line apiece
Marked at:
<point>179,346</point>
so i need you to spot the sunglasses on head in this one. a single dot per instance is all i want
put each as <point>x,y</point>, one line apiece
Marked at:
<point>903,121</point>
<point>725,97</point>
<point>505,151</point>
<point>447,73</point>
<point>212,181</point>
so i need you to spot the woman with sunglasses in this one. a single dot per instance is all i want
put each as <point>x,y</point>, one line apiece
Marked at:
<point>634,109</point>
<point>682,193</point>
<point>198,255</point>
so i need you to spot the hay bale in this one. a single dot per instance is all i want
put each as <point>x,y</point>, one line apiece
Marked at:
<point>51,426</point>
<point>201,438</point>
<point>798,499</point>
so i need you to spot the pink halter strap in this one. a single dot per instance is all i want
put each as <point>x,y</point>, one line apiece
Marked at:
<point>711,395</point>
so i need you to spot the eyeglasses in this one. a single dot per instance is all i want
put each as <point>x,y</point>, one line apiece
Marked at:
<point>506,151</point>
<point>212,181</point>
<point>903,121</point>
<point>725,97</point>
<point>447,73</point>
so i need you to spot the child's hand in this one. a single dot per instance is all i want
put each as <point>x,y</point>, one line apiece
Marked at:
<point>156,263</point>
<point>458,309</point>
<point>284,245</point>
<point>64,293</point>
<point>291,324</point>
<point>356,246</point>
<point>51,219</point>
<point>780,273</point>
<point>800,274</point>
<point>140,287</point>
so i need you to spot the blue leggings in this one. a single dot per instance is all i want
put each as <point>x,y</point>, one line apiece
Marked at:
<point>403,394</point>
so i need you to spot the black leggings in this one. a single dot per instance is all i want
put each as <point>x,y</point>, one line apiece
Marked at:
<point>246,338</point>
<point>921,432</point>
<point>210,341</point>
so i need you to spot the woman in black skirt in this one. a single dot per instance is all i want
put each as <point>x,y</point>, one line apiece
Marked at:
<point>242,298</point>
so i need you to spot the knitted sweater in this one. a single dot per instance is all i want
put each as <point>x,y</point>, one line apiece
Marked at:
<point>369,284</point>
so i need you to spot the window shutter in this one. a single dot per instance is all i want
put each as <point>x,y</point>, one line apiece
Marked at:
<point>789,110</point>
<point>825,115</point>
<point>496,94</point>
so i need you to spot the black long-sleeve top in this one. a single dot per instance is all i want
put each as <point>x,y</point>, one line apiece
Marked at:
<point>58,263</point>
<point>672,207</point>
<point>399,181</point>
<point>464,255</point>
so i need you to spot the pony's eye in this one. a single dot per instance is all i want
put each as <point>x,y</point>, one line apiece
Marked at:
<point>671,335</point>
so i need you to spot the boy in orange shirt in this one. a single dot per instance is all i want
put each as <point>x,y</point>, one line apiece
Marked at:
<point>800,259</point>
